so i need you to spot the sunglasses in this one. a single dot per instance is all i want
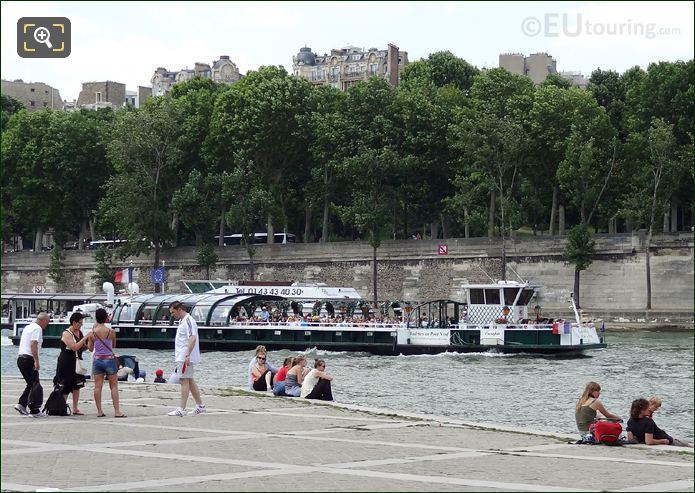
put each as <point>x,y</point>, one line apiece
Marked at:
<point>260,359</point>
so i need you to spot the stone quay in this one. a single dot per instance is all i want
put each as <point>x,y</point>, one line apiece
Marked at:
<point>256,442</point>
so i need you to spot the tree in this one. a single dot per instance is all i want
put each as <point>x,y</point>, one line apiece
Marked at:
<point>103,269</point>
<point>580,251</point>
<point>9,106</point>
<point>372,198</point>
<point>146,155</point>
<point>196,204</point>
<point>207,258</point>
<point>440,69</point>
<point>56,268</point>
<point>250,204</point>
<point>494,150</point>
<point>259,116</point>
<point>556,80</point>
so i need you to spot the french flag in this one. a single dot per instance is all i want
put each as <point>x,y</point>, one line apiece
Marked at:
<point>124,275</point>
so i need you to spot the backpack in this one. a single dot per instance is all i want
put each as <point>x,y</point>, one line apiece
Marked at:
<point>607,432</point>
<point>56,405</point>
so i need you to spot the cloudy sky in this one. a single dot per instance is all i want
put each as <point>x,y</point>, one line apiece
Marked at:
<point>127,41</point>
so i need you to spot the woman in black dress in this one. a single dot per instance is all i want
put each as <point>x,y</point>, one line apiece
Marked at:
<point>72,343</point>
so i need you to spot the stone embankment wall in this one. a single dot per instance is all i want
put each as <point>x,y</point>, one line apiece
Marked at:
<point>413,270</point>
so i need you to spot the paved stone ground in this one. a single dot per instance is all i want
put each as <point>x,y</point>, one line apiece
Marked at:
<point>263,443</point>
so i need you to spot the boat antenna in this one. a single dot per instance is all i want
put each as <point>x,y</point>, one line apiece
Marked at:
<point>521,280</point>
<point>484,272</point>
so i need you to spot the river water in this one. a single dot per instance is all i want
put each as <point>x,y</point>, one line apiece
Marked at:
<point>512,390</point>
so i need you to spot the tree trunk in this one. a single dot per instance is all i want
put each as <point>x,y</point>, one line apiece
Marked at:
<point>576,286</point>
<point>324,222</point>
<point>271,229</point>
<point>307,221</point>
<point>92,229</point>
<point>649,273</point>
<point>553,207</point>
<point>406,233</point>
<point>252,266</point>
<point>175,228</point>
<point>83,235</point>
<point>374,274</point>
<point>674,215</point>
<point>666,224</point>
<point>466,225</point>
<point>445,225</point>
<point>38,240</point>
<point>220,243</point>
<point>561,219</point>
<point>207,272</point>
<point>612,225</point>
<point>434,230</point>
<point>504,244</point>
<point>491,216</point>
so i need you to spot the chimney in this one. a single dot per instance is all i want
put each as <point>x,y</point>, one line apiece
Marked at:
<point>392,64</point>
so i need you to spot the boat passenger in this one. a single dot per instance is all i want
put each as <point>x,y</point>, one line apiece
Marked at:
<point>279,385</point>
<point>295,376</point>
<point>259,349</point>
<point>587,406</point>
<point>261,375</point>
<point>317,383</point>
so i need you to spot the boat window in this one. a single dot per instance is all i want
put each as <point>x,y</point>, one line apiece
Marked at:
<point>525,297</point>
<point>128,312</point>
<point>200,313</point>
<point>492,296</point>
<point>219,315</point>
<point>477,297</point>
<point>510,295</point>
<point>147,314</point>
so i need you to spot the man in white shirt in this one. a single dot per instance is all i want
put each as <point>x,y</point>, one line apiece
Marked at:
<point>28,362</point>
<point>187,353</point>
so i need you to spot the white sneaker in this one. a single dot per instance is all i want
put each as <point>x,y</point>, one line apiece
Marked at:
<point>21,409</point>
<point>40,414</point>
<point>178,412</point>
<point>199,410</point>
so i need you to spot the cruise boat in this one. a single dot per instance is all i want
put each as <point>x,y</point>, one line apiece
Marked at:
<point>240,316</point>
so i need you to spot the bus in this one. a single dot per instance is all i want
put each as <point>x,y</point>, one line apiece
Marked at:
<point>258,238</point>
<point>96,244</point>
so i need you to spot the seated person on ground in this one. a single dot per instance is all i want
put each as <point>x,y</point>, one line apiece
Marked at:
<point>261,376</point>
<point>317,383</point>
<point>654,405</point>
<point>588,405</point>
<point>159,376</point>
<point>295,376</point>
<point>259,349</point>
<point>279,385</point>
<point>641,428</point>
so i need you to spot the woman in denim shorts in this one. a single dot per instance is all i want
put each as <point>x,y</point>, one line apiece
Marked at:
<point>104,364</point>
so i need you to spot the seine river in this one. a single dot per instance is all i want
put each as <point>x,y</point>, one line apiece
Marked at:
<point>512,390</point>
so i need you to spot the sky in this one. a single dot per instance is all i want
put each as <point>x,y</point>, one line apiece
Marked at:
<point>126,41</point>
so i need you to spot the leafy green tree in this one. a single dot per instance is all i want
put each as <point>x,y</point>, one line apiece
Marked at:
<point>207,258</point>
<point>196,205</point>
<point>56,267</point>
<point>9,106</point>
<point>491,150</point>
<point>103,269</point>
<point>556,80</point>
<point>440,69</point>
<point>372,197</point>
<point>250,204</point>
<point>579,250</point>
<point>654,180</point>
<point>146,155</point>
<point>609,90</point>
<point>259,116</point>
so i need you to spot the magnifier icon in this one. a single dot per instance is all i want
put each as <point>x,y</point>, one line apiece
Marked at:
<point>43,35</point>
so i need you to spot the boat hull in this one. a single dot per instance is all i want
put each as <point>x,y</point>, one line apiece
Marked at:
<point>378,348</point>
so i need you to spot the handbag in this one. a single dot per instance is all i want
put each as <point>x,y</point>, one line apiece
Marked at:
<point>79,368</point>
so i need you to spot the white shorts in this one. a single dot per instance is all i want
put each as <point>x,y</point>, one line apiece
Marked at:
<point>189,370</point>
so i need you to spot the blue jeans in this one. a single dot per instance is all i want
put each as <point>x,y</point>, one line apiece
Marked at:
<point>279,388</point>
<point>101,366</point>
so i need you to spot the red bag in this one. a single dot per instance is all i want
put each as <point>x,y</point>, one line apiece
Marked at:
<point>606,432</point>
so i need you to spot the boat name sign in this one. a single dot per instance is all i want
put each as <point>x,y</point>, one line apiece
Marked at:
<point>430,337</point>
<point>491,336</point>
<point>586,334</point>
<point>270,291</point>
